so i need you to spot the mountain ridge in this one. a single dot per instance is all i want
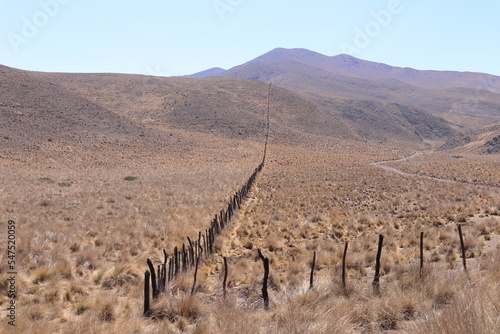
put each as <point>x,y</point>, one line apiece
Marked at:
<point>313,95</point>
<point>355,67</point>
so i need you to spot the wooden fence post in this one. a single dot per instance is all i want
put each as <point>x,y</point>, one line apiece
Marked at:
<point>176,261</point>
<point>421,254</point>
<point>191,251</point>
<point>170,270</point>
<point>153,278</point>
<point>164,283</point>
<point>265,295</point>
<point>184,260</point>
<point>160,280</point>
<point>146,293</point>
<point>462,246</point>
<point>376,283</point>
<point>200,249</point>
<point>344,286</point>
<point>225,276</point>
<point>311,277</point>
<point>195,274</point>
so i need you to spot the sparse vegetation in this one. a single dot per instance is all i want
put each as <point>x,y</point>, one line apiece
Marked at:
<point>305,200</point>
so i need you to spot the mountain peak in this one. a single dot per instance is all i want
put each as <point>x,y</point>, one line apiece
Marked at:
<point>290,54</point>
<point>211,72</point>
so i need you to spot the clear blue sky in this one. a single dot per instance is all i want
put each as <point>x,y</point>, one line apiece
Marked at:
<point>167,37</point>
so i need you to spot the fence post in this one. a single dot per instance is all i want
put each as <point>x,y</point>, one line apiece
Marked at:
<point>265,295</point>
<point>462,246</point>
<point>184,260</point>
<point>344,287</point>
<point>205,241</point>
<point>191,251</point>
<point>211,237</point>
<point>160,280</point>
<point>421,254</point>
<point>153,278</point>
<point>176,261</point>
<point>146,292</point>
<point>311,277</point>
<point>200,249</point>
<point>195,274</point>
<point>225,276</point>
<point>170,270</point>
<point>376,283</point>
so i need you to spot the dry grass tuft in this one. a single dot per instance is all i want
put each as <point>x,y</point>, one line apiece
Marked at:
<point>120,275</point>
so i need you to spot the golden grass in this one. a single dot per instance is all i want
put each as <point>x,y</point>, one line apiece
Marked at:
<point>82,255</point>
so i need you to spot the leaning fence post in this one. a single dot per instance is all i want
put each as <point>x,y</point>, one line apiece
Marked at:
<point>146,292</point>
<point>343,266</point>
<point>195,274</point>
<point>191,251</point>
<point>311,277</point>
<point>265,295</point>
<point>153,278</point>
<point>376,283</point>
<point>462,246</point>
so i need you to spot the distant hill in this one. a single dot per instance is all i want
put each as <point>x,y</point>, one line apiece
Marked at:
<point>212,72</point>
<point>233,108</point>
<point>35,111</point>
<point>347,65</point>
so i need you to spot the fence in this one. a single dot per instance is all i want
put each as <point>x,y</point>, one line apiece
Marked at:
<point>149,275</point>
<point>186,257</point>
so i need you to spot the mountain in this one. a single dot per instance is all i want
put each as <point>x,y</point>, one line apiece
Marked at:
<point>212,72</point>
<point>366,94</point>
<point>347,65</point>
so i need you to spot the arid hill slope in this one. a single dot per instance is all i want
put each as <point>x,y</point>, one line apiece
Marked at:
<point>36,111</point>
<point>233,108</point>
<point>463,100</point>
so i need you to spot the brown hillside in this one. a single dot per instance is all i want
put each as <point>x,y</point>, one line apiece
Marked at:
<point>234,108</point>
<point>36,112</point>
<point>482,141</point>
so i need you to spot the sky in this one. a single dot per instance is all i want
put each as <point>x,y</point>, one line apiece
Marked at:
<point>179,37</point>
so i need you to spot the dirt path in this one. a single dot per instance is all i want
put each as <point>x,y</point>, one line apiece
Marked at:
<point>382,164</point>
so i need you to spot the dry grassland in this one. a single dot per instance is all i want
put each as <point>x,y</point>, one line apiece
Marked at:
<point>84,235</point>
<point>469,168</point>
<point>87,221</point>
